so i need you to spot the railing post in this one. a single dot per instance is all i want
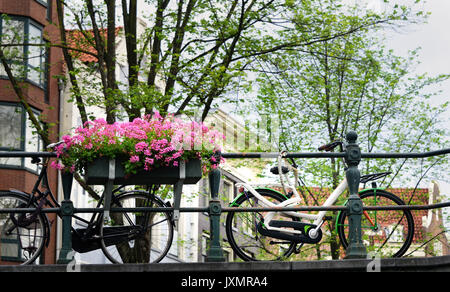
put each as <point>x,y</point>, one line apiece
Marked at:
<point>215,252</point>
<point>67,211</point>
<point>356,247</point>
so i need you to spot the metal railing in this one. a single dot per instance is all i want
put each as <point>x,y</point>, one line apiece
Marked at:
<point>354,207</point>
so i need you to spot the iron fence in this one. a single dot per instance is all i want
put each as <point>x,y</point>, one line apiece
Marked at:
<point>352,156</point>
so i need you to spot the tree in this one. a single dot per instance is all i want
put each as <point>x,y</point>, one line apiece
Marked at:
<point>350,83</point>
<point>190,55</point>
<point>197,48</point>
<point>194,52</point>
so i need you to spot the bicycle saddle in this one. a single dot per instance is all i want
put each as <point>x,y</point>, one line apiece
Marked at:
<point>53,145</point>
<point>373,176</point>
<point>274,170</point>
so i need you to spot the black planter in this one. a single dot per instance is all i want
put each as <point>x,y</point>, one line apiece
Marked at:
<point>98,173</point>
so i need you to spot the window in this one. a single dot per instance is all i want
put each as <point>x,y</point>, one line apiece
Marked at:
<point>173,250</point>
<point>10,250</point>
<point>227,254</point>
<point>204,248</point>
<point>35,54</point>
<point>10,133</point>
<point>204,194</point>
<point>227,191</point>
<point>49,9</point>
<point>47,72</point>
<point>17,134</point>
<point>44,2</point>
<point>27,56</point>
<point>14,54</point>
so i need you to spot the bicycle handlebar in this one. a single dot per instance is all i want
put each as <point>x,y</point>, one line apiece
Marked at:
<point>330,146</point>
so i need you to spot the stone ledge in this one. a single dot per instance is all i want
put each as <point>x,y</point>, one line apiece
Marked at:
<point>358,265</point>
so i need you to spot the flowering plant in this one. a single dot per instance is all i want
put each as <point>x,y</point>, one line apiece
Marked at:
<point>146,143</point>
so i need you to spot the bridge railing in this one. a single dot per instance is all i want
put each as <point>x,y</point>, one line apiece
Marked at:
<point>354,207</point>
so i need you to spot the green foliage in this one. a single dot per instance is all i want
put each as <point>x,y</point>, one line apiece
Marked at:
<point>349,83</point>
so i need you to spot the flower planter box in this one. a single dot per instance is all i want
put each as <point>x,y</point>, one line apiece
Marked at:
<point>98,173</point>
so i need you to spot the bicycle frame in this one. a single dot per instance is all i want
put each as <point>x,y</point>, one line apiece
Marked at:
<point>41,197</point>
<point>318,218</point>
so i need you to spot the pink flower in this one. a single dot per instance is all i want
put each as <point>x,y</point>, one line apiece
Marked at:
<point>161,140</point>
<point>57,165</point>
<point>134,159</point>
<point>141,146</point>
<point>67,139</point>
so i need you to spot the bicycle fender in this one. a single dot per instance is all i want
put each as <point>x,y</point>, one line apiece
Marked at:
<point>274,191</point>
<point>371,189</point>
<point>19,192</point>
<point>232,204</point>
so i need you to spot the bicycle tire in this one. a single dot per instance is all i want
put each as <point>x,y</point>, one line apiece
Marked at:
<point>133,245</point>
<point>242,234</point>
<point>22,238</point>
<point>380,240</point>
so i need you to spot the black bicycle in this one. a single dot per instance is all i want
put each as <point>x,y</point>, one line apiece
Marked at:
<point>128,237</point>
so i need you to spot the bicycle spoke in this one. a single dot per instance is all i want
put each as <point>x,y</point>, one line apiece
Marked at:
<point>22,236</point>
<point>393,231</point>
<point>243,235</point>
<point>149,235</point>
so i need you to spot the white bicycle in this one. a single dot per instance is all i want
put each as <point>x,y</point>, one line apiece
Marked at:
<point>275,235</point>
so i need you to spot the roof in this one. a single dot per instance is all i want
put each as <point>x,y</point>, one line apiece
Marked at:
<point>84,40</point>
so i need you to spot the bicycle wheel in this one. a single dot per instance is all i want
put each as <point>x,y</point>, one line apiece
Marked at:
<point>386,233</point>
<point>137,237</point>
<point>242,234</point>
<point>22,235</point>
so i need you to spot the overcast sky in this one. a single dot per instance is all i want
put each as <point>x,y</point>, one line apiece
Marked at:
<point>434,39</point>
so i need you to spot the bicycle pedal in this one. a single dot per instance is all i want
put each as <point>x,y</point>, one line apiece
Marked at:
<point>298,248</point>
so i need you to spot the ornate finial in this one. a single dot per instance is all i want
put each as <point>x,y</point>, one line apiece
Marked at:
<point>351,137</point>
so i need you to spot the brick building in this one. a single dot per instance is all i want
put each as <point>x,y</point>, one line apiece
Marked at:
<point>25,27</point>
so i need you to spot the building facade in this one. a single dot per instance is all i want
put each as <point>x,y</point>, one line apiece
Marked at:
<point>26,26</point>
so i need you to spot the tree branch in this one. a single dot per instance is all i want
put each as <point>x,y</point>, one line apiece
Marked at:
<point>69,63</point>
